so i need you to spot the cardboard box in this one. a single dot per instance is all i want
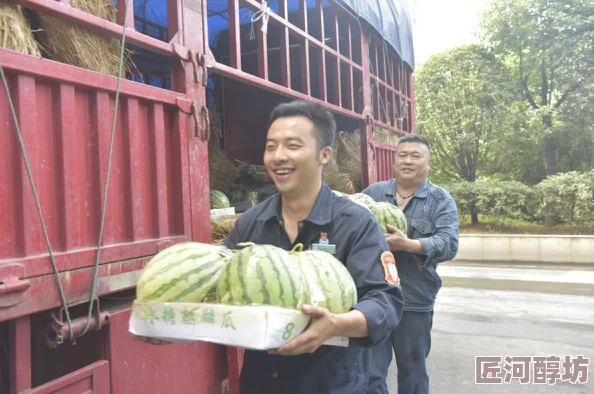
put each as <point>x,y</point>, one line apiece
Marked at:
<point>217,213</point>
<point>249,327</point>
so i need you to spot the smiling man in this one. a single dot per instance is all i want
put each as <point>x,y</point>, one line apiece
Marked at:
<point>432,238</point>
<point>299,144</point>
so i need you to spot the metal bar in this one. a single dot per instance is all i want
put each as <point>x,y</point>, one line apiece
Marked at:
<point>26,114</point>
<point>305,74</point>
<point>393,112</point>
<point>20,354</point>
<point>411,111</point>
<point>234,34</point>
<point>350,42</point>
<point>351,95</point>
<point>272,87</point>
<point>74,75</point>
<point>303,14</point>
<point>368,168</point>
<point>322,74</point>
<point>160,176</point>
<point>122,13</point>
<point>387,127</point>
<point>296,31</point>
<point>71,178</point>
<point>337,84</point>
<point>285,47</point>
<point>136,172</point>
<point>43,293</point>
<point>262,53</point>
<point>336,29</point>
<point>96,24</point>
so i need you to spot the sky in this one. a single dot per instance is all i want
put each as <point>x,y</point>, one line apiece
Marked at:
<point>444,24</point>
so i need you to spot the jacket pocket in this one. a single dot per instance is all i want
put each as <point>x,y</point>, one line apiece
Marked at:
<point>424,227</point>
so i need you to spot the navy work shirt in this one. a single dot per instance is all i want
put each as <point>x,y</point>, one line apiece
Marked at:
<point>432,219</point>
<point>359,244</point>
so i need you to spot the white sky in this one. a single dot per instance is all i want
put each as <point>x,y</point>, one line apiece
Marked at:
<point>444,24</point>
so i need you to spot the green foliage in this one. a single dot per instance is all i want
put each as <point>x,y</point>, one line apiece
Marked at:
<point>570,194</point>
<point>463,100</point>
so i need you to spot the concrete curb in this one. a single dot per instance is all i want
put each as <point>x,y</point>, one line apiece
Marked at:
<point>573,249</point>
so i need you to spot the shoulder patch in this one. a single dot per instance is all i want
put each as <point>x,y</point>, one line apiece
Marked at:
<point>390,269</point>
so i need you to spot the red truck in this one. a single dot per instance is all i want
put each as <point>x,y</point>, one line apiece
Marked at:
<point>67,282</point>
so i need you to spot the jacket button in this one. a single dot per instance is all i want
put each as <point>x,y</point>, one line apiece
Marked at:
<point>301,225</point>
<point>275,375</point>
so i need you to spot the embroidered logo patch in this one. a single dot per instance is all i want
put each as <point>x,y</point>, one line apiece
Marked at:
<point>390,269</point>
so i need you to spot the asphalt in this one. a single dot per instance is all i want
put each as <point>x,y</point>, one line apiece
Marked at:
<point>507,309</point>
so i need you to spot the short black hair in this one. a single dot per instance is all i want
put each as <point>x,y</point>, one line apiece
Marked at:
<point>322,119</point>
<point>415,138</point>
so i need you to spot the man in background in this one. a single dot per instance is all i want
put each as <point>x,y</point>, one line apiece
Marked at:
<point>432,237</point>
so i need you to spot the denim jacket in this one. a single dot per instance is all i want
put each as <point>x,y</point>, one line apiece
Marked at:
<point>432,219</point>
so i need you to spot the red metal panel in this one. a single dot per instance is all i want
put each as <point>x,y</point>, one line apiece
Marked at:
<point>93,379</point>
<point>138,367</point>
<point>43,293</point>
<point>66,130</point>
<point>20,354</point>
<point>122,13</point>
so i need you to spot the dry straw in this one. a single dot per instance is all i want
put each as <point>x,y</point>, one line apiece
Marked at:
<point>77,46</point>
<point>222,227</point>
<point>16,30</point>
<point>348,156</point>
<point>336,179</point>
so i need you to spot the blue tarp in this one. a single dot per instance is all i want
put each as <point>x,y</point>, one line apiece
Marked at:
<point>389,17</point>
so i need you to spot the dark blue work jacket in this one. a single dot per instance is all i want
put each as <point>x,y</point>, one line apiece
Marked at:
<point>359,244</point>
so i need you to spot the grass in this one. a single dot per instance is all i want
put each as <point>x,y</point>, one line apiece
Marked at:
<point>496,225</point>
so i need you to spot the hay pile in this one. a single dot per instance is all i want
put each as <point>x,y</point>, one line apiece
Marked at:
<point>76,46</point>
<point>336,179</point>
<point>348,157</point>
<point>385,136</point>
<point>16,32</point>
<point>222,227</point>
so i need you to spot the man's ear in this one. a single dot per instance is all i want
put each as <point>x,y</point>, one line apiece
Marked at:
<point>430,163</point>
<point>325,155</point>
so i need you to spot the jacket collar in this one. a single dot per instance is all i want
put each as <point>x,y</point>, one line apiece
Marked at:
<point>390,189</point>
<point>320,214</point>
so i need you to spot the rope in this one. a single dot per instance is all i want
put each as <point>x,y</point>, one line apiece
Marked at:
<point>36,197</point>
<point>105,194</point>
<point>263,14</point>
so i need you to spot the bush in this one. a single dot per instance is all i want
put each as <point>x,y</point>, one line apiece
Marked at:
<point>570,194</point>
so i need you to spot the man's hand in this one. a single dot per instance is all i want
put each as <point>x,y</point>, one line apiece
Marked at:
<point>323,325</point>
<point>398,241</point>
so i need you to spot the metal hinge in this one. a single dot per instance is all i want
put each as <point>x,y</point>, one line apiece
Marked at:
<point>12,288</point>
<point>200,116</point>
<point>205,61</point>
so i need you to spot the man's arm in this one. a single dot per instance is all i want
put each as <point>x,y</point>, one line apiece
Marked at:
<point>443,244</point>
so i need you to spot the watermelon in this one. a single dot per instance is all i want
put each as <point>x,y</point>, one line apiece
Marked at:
<point>387,213</point>
<point>262,275</point>
<point>331,285</point>
<point>184,272</point>
<point>362,199</point>
<point>218,200</point>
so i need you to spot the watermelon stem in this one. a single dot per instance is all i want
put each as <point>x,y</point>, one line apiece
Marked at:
<point>297,248</point>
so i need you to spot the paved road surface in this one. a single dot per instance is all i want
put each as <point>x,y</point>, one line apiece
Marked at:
<point>507,309</point>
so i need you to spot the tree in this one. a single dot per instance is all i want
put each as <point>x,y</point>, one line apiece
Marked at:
<point>463,103</point>
<point>549,46</point>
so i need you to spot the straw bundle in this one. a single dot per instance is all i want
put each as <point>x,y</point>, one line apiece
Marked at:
<point>222,171</point>
<point>348,157</point>
<point>337,180</point>
<point>222,227</point>
<point>15,31</point>
<point>78,47</point>
<point>385,136</point>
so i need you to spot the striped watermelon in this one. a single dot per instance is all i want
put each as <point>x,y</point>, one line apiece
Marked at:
<point>262,275</point>
<point>387,213</point>
<point>218,200</point>
<point>184,272</point>
<point>331,286</point>
<point>362,199</point>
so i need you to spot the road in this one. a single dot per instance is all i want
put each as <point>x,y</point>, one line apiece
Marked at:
<point>505,309</point>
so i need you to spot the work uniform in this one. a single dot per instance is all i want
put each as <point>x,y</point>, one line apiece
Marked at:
<point>432,219</point>
<point>359,245</point>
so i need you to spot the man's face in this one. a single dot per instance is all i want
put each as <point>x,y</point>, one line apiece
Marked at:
<point>412,162</point>
<point>292,157</point>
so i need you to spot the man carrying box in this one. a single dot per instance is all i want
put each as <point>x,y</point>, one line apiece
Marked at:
<point>299,144</point>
